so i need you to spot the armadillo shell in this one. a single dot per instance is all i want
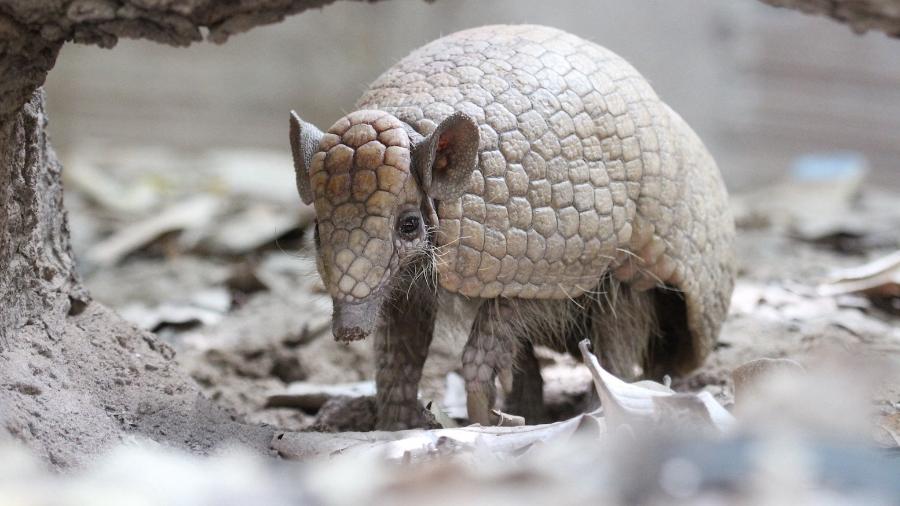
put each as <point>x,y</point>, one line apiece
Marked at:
<point>582,170</point>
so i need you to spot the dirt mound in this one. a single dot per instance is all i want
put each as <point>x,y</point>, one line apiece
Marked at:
<point>69,396</point>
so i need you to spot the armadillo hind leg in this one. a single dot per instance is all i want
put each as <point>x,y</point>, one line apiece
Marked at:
<point>401,346</point>
<point>488,353</point>
<point>527,396</point>
<point>622,323</point>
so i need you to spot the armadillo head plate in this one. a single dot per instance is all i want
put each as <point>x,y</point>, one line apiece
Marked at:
<point>373,211</point>
<point>362,190</point>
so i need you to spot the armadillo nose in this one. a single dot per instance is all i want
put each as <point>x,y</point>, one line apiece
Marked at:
<point>348,334</point>
<point>354,321</point>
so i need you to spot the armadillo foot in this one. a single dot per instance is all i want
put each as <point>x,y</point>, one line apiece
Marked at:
<point>403,417</point>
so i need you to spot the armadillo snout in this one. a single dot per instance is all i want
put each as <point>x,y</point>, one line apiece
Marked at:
<point>355,321</point>
<point>349,334</point>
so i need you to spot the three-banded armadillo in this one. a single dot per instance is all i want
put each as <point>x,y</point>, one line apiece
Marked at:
<point>536,178</point>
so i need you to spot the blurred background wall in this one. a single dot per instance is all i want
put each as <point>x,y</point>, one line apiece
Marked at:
<point>760,85</point>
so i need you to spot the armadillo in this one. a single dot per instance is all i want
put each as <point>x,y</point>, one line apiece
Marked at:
<point>533,181</point>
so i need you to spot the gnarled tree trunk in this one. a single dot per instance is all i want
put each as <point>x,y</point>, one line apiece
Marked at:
<point>861,15</point>
<point>74,377</point>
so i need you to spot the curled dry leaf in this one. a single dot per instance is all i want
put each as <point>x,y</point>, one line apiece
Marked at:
<point>879,278</point>
<point>646,402</point>
<point>422,444</point>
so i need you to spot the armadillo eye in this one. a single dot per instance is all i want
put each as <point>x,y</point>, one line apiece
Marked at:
<point>408,226</point>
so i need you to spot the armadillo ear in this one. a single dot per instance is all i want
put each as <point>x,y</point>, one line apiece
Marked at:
<point>304,144</point>
<point>445,159</point>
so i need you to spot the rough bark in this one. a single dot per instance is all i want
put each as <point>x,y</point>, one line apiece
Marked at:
<point>74,377</point>
<point>861,15</point>
<point>32,31</point>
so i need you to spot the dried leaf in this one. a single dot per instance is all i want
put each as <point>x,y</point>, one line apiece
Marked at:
<point>256,226</point>
<point>890,425</point>
<point>134,198</point>
<point>441,416</point>
<point>814,202</point>
<point>191,214</point>
<point>259,174</point>
<point>455,396</point>
<point>630,404</point>
<point>206,308</point>
<point>422,444</point>
<point>311,396</point>
<point>879,278</point>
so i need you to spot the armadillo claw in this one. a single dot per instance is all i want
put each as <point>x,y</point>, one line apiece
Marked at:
<point>480,403</point>
<point>506,380</point>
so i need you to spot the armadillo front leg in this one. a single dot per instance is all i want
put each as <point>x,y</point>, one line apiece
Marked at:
<point>401,346</point>
<point>488,352</point>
